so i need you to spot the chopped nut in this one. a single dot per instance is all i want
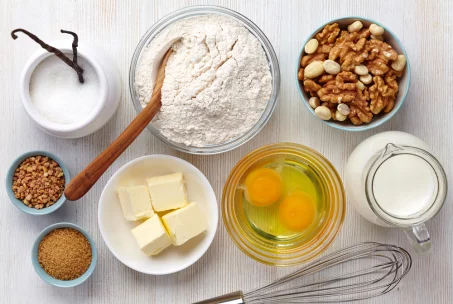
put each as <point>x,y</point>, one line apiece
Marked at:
<point>33,182</point>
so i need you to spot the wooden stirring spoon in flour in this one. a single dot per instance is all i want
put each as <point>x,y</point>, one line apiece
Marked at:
<point>83,181</point>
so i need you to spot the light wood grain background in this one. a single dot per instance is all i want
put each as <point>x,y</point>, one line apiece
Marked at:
<point>425,29</point>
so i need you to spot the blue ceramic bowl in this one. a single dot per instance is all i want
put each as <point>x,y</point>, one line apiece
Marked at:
<point>9,182</point>
<point>47,278</point>
<point>403,82</point>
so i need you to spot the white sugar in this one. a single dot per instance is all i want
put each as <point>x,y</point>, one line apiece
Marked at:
<point>57,93</point>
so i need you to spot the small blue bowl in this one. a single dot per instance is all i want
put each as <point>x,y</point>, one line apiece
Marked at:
<point>9,183</point>
<point>59,283</point>
<point>403,82</point>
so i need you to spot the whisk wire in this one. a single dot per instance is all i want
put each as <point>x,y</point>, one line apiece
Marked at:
<point>330,280</point>
<point>394,263</point>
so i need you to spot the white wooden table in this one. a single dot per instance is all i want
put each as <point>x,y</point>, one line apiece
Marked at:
<point>116,26</point>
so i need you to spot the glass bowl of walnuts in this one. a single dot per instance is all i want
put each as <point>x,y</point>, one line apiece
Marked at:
<point>353,73</point>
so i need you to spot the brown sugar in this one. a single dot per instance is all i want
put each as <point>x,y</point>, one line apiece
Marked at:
<point>65,254</point>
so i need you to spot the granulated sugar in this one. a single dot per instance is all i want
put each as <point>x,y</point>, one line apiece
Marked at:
<point>57,93</point>
<point>217,81</point>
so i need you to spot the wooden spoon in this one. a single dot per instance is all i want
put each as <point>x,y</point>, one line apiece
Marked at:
<point>83,182</point>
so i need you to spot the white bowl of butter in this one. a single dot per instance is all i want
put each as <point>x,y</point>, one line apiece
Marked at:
<point>144,236</point>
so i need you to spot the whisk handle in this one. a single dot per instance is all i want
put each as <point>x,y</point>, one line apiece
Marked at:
<point>231,298</point>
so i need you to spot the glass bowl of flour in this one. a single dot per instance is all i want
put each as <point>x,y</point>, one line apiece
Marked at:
<point>221,84</point>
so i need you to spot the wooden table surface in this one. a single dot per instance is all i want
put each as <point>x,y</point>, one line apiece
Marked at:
<point>423,26</point>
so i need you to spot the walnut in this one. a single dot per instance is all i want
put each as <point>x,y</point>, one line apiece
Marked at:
<point>394,73</point>
<point>328,34</point>
<point>349,54</point>
<point>380,53</point>
<point>325,48</point>
<point>307,59</point>
<point>346,36</point>
<point>360,57</point>
<point>382,94</point>
<point>311,87</point>
<point>382,50</point>
<point>359,115</point>
<point>332,93</point>
<point>377,67</point>
<point>346,81</point>
<point>342,89</point>
<point>326,78</point>
<point>300,74</point>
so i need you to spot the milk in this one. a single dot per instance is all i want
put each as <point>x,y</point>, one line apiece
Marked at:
<point>405,185</point>
<point>393,180</point>
<point>391,191</point>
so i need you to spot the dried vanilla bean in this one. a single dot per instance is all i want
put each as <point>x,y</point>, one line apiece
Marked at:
<point>75,44</point>
<point>57,52</point>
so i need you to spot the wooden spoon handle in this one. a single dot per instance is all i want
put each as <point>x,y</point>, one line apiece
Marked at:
<point>83,181</point>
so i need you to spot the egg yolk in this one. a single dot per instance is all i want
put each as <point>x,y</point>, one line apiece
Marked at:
<point>263,186</point>
<point>297,211</point>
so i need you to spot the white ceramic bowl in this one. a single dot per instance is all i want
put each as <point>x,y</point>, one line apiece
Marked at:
<point>116,231</point>
<point>109,97</point>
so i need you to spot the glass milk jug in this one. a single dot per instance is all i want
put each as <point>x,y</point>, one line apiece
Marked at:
<point>393,180</point>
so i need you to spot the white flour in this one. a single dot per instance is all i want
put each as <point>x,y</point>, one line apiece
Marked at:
<point>217,81</point>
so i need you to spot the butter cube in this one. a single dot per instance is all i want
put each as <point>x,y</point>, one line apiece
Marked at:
<point>185,223</point>
<point>167,192</point>
<point>135,202</point>
<point>151,236</point>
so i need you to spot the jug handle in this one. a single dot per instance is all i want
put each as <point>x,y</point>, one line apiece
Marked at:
<point>419,238</point>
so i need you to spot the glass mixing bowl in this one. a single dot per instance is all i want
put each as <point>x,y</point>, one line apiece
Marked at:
<point>192,11</point>
<point>302,247</point>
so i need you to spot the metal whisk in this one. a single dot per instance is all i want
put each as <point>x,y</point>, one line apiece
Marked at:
<point>358,272</point>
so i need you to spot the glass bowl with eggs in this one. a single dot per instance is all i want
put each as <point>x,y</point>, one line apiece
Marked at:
<point>222,79</point>
<point>283,204</point>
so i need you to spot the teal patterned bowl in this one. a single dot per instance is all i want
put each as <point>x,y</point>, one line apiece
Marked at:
<point>59,283</point>
<point>9,183</point>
